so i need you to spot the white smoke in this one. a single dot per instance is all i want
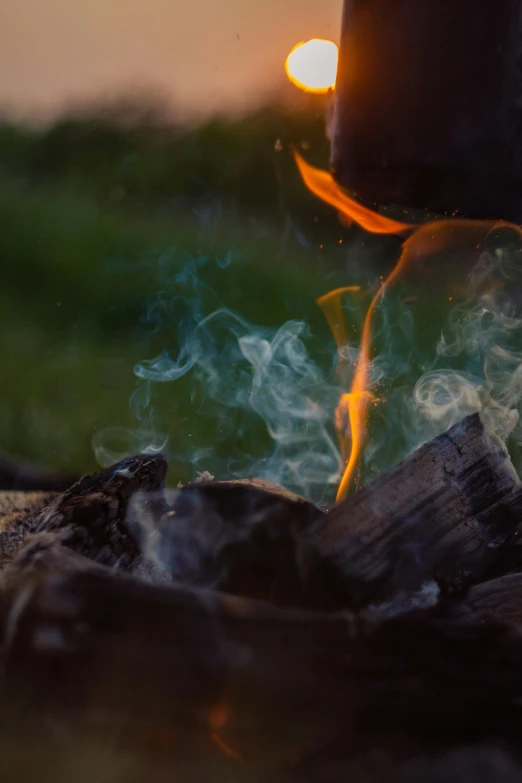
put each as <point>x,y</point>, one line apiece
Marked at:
<point>290,394</point>
<point>483,336</point>
<point>248,375</point>
<point>250,379</point>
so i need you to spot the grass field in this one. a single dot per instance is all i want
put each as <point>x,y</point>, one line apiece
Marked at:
<point>116,239</point>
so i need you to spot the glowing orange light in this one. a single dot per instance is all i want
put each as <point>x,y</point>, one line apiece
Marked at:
<point>312,65</point>
<point>219,717</point>
<point>224,748</point>
<point>322,184</point>
<point>350,414</point>
<point>434,238</point>
<point>330,304</point>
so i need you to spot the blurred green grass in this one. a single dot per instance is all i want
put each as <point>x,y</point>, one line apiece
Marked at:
<point>89,205</point>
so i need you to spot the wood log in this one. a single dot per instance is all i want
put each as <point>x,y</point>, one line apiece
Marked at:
<point>495,600</point>
<point>108,649</point>
<point>243,537</point>
<point>442,514</point>
<point>509,561</point>
<point>114,650</point>
<point>247,538</point>
<point>94,516</point>
<point>490,763</point>
<point>481,763</point>
<point>41,556</point>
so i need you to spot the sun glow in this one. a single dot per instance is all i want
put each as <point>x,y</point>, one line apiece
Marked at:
<point>322,184</point>
<point>312,65</point>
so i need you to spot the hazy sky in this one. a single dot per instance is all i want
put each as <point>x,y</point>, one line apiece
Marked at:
<point>203,53</point>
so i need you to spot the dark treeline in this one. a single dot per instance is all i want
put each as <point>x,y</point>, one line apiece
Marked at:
<point>100,210</point>
<point>137,155</point>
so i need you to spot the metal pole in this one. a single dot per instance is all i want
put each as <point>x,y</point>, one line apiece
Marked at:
<point>428,108</point>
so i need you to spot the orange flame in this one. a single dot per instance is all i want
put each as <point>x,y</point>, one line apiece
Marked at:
<point>330,304</point>
<point>219,717</point>
<point>436,237</point>
<point>350,414</point>
<point>322,184</point>
<point>224,748</point>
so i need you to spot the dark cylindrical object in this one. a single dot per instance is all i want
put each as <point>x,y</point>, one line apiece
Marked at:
<point>429,105</point>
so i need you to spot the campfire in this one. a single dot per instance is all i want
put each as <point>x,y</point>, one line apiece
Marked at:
<point>253,630</point>
<point>229,629</point>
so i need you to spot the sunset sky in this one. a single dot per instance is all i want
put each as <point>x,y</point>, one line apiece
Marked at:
<point>202,54</point>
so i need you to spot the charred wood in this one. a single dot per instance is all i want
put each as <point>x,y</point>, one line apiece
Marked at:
<point>113,649</point>
<point>247,538</point>
<point>107,648</point>
<point>442,514</point>
<point>495,600</point>
<point>492,763</point>
<point>93,517</point>
<point>244,537</point>
<point>482,763</point>
<point>509,561</point>
<point>441,519</point>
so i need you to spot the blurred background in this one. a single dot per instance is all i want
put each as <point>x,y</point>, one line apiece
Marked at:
<point>138,135</point>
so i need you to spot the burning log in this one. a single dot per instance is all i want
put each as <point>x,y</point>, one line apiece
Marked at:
<point>88,637</point>
<point>442,514</point>
<point>152,655</point>
<point>497,599</point>
<point>243,537</point>
<point>247,538</point>
<point>111,649</point>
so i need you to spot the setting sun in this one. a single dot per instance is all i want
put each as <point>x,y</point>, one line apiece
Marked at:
<point>312,65</point>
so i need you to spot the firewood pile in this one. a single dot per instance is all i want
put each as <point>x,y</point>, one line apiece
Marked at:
<point>229,630</point>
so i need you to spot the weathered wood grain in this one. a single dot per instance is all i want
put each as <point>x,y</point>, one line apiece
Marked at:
<point>244,537</point>
<point>443,513</point>
<point>112,648</point>
<point>93,517</point>
<point>495,600</point>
